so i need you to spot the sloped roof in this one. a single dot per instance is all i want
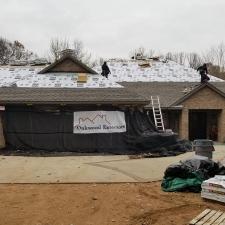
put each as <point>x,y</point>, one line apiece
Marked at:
<point>75,66</point>
<point>197,89</point>
<point>151,71</point>
<point>170,93</point>
<point>70,96</point>
<point>28,76</point>
<point>137,88</point>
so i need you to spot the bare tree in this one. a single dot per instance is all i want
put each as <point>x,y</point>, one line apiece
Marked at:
<point>138,52</point>
<point>219,52</point>
<point>10,51</point>
<point>216,56</point>
<point>57,46</point>
<point>208,56</point>
<point>142,53</point>
<point>5,51</point>
<point>80,53</point>
<point>151,53</point>
<point>77,48</point>
<point>179,57</point>
<point>194,60</point>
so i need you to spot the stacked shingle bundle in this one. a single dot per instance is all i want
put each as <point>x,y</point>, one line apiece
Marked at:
<point>214,189</point>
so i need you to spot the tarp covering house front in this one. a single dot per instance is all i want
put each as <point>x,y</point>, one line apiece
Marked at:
<point>41,106</point>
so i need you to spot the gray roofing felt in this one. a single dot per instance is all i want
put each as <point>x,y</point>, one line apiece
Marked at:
<point>169,92</point>
<point>14,95</point>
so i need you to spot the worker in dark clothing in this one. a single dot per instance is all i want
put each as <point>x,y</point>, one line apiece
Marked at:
<point>105,70</point>
<point>203,72</point>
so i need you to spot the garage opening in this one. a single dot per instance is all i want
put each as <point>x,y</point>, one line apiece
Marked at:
<point>203,124</point>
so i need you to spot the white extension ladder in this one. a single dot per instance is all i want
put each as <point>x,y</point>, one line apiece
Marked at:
<point>157,113</point>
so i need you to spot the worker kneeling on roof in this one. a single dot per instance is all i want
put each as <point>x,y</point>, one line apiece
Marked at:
<point>203,72</point>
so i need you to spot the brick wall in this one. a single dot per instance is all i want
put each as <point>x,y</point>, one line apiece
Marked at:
<point>203,100</point>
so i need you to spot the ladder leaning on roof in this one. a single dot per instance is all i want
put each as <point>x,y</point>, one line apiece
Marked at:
<point>157,113</point>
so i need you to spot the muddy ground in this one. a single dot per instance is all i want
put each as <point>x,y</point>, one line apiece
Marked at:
<point>97,204</point>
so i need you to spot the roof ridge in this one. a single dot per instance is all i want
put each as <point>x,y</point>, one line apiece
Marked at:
<point>75,60</point>
<point>195,90</point>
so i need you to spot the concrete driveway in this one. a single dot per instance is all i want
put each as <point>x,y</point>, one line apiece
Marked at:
<point>86,169</point>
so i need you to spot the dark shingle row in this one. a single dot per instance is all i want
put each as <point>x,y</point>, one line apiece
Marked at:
<point>69,96</point>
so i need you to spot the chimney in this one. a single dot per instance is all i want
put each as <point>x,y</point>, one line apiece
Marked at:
<point>68,51</point>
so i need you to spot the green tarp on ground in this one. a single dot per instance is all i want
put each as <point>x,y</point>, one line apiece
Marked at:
<point>189,174</point>
<point>171,184</point>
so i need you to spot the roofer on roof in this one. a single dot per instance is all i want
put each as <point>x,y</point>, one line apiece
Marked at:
<point>105,70</point>
<point>203,72</point>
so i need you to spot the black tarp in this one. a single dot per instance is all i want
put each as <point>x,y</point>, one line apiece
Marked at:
<point>189,174</point>
<point>51,129</point>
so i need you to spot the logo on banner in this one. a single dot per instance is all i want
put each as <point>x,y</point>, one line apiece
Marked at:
<point>99,122</point>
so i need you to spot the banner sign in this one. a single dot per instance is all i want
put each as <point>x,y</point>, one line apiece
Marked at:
<point>90,122</point>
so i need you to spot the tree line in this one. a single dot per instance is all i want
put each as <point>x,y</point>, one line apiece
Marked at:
<point>214,56</point>
<point>13,51</point>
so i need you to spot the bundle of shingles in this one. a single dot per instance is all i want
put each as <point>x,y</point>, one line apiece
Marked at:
<point>214,188</point>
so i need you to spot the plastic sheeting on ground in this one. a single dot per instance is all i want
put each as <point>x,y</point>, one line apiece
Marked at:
<point>188,175</point>
<point>28,128</point>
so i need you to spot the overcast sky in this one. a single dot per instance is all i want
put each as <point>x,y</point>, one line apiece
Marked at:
<point>113,28</point>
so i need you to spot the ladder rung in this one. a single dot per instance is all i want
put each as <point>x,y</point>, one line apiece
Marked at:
<point>157,112</point>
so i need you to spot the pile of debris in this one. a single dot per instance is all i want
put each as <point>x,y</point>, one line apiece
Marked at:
<point>214,189</point>
<point>188,175</point>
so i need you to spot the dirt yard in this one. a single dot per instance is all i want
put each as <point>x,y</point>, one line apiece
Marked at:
<point>97,204</point>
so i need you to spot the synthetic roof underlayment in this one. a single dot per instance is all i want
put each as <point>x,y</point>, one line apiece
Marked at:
<point>151,71</point>
<point>28,77</point>
<point>121,70</point>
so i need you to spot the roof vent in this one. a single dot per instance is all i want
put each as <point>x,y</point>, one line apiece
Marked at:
<point>144,65</point>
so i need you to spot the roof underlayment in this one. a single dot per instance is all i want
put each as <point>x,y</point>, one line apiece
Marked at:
<point>29,77</point>
<point>121,71</point>
<point>152,71</point>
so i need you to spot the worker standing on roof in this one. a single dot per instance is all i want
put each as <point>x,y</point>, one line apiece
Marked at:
<point>105,70</point>
<point>203,70</point>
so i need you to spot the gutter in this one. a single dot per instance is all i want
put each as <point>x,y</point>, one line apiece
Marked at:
<point>178,107</point>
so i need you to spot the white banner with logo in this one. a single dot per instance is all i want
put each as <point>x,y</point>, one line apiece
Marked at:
<point>90,122</point>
